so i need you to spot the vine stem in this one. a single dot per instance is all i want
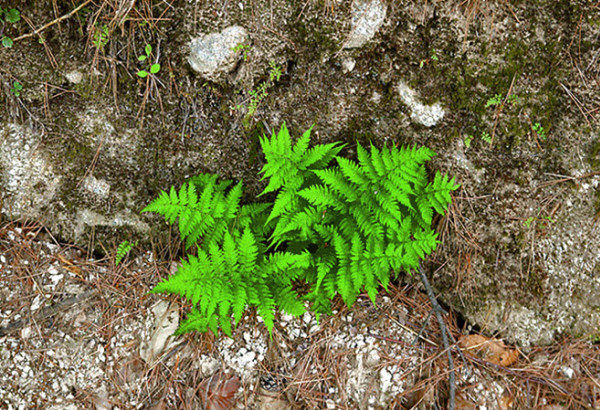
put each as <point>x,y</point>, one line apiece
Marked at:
<point>438,313</point>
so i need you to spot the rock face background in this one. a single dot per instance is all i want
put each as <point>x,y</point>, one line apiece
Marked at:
<point>87,142</point>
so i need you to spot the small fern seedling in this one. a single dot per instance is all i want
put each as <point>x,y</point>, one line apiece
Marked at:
<point>123,249</point>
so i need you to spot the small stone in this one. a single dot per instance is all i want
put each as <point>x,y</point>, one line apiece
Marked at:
<point>373,358</point>
<point>26,332</point>
<point>427,115</point>
<point>386,379</point>
<point>567,371</point>
<point>74,76</point>
<point>306,318</point>
<point>97,187</point>
<point>348,65</point>
<point>247,359</point>
<point>213,54</point>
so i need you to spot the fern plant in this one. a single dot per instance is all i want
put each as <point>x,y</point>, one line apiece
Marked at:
<point>337,225</point>
<point>123,249</point>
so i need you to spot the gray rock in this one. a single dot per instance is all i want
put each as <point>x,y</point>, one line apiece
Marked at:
<point>427,115</point>
<point>28,180</point>
<point>348,65</point>
<point>212,55</point>
<point>367,18</point>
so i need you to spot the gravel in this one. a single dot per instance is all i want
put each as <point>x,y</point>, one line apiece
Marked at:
<point>110,345</point>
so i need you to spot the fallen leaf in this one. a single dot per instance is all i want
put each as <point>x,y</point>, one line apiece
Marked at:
<point>69,265</point>
<point>166,323</point>
<point>272,401</point>
<point>218,391</point>
<point>506,402</point>
<point>463,403</point>
<point>492,350</point>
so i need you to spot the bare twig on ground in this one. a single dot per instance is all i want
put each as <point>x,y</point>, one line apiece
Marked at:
<point>53,22</point>
<point>46,312</point>
<point>438,313</point>
<point>564,178</point>
<point>501,108</point>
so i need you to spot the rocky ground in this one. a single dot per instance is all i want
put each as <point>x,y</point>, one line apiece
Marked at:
<point>78,333</point>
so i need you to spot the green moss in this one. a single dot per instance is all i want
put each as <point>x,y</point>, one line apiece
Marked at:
<point>358,130</point>
<point>86,89</point>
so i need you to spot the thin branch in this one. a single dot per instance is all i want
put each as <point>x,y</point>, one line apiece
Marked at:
<point>58,20</point>
<point>438,313</point>
<point>501,108</point>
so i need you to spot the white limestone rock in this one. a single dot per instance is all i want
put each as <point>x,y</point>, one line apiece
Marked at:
<point>213,55</point>
<point>427,115</point>
<point>367,19</point>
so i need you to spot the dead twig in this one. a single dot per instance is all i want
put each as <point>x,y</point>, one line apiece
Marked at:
<point>53,22</point>
<point>438,313</point>
<point>501,108</point>
<point>46,312</point>
<point>565,178</point>
<point>577,103</point>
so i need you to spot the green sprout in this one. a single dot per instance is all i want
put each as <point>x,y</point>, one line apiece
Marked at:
<point>514,99</point>
<point>495,100</point>
<point>528,221</point>
<point>260,93</point>
<point>540,131</point>
<point>468,140</point>
<point>244,48</point>
<point>7,42</point>
<point>11,16</point>
<point>16,89</point>
<point>486,137</point>
<point>153,68</point>
<point>100,36</point>
<point>123,249</point>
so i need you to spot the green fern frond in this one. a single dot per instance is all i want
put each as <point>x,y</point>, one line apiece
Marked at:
<point>353,172</point>
<point>194,321</point>
<point>334,179</point>
<point>320,156</point>
<point>301,146</point>
<point>321,196</point>
<point>123,249</point>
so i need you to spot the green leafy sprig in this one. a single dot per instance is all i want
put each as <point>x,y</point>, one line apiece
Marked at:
<point>152,68</point>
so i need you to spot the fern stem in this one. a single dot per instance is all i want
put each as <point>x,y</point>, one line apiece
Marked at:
<point>438,313</point>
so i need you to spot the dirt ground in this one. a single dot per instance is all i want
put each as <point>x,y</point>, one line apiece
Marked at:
<point>79,333</point>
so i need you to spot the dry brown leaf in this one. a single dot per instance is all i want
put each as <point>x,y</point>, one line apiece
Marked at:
<point>218,391</point>
<point>463,403</point>
<point>492,350</point>
<point>424,394</point>
<point>69,265</point>
<point>506,402</point>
